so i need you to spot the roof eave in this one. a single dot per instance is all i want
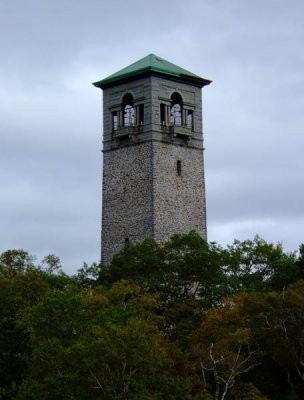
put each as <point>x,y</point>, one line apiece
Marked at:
<point>190,79</point>
<point>107,82</point>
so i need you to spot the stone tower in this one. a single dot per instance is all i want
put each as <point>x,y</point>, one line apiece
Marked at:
<point>153,165</point>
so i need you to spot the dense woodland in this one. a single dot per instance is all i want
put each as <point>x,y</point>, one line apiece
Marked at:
<point>183,320</point>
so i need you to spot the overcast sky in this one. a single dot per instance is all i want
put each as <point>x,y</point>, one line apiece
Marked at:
<point>51,120</point>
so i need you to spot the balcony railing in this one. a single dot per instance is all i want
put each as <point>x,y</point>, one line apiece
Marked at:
<point>178,130</point>
<point>126,131</point>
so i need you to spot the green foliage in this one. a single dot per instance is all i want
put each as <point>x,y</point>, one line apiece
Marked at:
<point>185,320</point>
<point>223,347</point>
<point>278,322</point>
<point>98,343</point>
<point>88,274</point>
<point>255,265</point>
<point>185,272</point>
<point>18,293</point>
<point>14,262</point>
<point>51,264</point>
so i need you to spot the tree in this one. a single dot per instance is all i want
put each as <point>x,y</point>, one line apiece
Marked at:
<point>99,343</point>
<point>224,348</point>
<point>185,272</point>
<point>159,322</point>
<point>255,265</point>
<point>14,262</point>
<point>278,324</point>
<point>21,286</point>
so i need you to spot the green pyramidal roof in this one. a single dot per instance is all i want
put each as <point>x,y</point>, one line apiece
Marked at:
<point>152,65</point>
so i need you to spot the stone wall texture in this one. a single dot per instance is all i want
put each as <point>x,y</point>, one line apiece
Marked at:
<point>178,200</point>
<point>127,197</point>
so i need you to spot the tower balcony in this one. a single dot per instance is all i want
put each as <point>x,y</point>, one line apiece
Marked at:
<point>179,130</point>
<point>126,131</point>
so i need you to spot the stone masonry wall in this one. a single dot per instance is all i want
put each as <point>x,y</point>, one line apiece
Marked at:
<point>143,195</point>
<point>127,197</point>
<point>179,201</point>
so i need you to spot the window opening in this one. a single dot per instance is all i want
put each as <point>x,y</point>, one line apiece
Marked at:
<point>141,114</point>
<point>128,115</point>
<point>128,110</point>
<point>163,114</point>
<point>114,120</point>
<point>176,109</point>
<point>190,120</point>
<point>179,167</point>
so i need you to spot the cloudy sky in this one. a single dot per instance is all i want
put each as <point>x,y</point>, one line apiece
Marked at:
<point>51,122</point>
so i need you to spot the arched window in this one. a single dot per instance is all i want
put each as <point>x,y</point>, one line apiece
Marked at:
<point>176,109</point>
<point>128,110</point>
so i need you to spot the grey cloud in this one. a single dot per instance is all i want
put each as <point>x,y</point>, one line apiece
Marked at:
<point>50,121</point>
